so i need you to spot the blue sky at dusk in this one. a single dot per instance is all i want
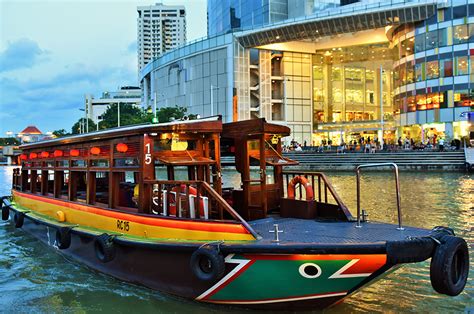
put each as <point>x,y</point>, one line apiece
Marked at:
<point>54,52</point>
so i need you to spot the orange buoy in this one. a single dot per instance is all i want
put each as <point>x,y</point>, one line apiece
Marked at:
<point>303,181</point>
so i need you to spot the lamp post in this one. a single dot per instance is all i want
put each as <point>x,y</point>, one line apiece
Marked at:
<point>81,123</point>
<point>118,113</point>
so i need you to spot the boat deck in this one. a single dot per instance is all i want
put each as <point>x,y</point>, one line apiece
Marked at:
<point>311,231</point>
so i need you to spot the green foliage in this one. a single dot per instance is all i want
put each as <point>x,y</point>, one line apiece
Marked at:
<point>78,126</point>
<point>168,114</point>
<point>60,133</point>
<point>129,115</point>
<point>9,141</point>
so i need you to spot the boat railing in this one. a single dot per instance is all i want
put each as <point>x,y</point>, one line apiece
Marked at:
<point>397,189</point>
<point>190,199</point>
<point>324,191</point>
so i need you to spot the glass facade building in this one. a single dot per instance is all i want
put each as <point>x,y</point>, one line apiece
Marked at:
<point>334,70</point>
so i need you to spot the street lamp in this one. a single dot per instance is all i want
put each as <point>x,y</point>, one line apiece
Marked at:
<point>81,123</point>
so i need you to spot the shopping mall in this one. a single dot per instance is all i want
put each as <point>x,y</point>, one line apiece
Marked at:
<point>328,69</point>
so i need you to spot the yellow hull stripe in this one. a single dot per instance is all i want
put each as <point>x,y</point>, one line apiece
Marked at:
<point>127,224</point>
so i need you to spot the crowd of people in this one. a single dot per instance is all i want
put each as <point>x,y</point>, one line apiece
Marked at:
<point>369,145</point>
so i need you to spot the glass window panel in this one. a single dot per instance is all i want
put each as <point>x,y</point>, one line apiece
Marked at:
<point>446,67</point>
<point>419,72</point>
<point>461,98</point>
<point>421,102</point>
<point>460,35</point>
<point>432,69</point>
<point>410,72</point>
<point>471,33</point>
<point>420,43</point>
<point>443,37</point>
<point>462,65</point>
<point>411,104</point>
<point>460,12</point>
<point>403,77</point>
<point>431,40</point>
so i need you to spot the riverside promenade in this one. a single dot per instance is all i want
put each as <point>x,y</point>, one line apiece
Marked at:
<point>406,160</point>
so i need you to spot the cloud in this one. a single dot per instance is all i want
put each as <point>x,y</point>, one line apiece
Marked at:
<point>23,53</point>
<point>132,47</point>
<point>52,103</point>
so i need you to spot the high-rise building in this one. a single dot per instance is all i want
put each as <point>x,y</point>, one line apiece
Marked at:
<point>160,28</point>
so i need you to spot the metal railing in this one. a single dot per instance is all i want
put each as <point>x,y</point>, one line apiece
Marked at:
<point>190,199</point>
<point>322,187</point>
<point>397,187</point>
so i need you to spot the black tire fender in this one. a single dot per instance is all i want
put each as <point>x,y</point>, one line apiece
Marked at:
<point>104,248</point>
<point>5,212</point>
<point>18,219</point>
<point>63,238</point>
<point>450,266</point>
<point>207,264</point>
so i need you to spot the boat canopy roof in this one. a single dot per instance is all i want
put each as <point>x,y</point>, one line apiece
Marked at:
<point>249,128</point>
<point>205,125</point>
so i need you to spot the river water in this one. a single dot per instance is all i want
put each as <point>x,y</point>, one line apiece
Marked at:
<point>36,278</point>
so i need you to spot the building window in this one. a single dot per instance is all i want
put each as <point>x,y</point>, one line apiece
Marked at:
<point>443,36</point>
<point>460,12</point>
<point>411,72</point>
<point>461,98</point>
<point>411,104</point>
<point>446,67</point>
<point>461,65</point>
<point>432,40</point>
<point>432,69</point>
<point>420,72</point>
<point>471,33</point>
<point>420,43</point>
<point>460,34</point>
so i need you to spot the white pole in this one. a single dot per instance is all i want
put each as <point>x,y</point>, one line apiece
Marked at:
<point>118,118</point>
<point>154,105</point>
<point>212,102</point>
<point>87,119</point>
<point>381,106</point>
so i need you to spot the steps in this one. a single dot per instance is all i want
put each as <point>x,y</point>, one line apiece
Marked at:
<point>406,160</point>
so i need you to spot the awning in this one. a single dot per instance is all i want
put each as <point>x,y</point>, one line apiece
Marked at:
<point>273,159</point>
<point>183,159</point>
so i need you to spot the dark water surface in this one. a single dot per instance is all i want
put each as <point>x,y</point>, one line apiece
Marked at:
<point>35,278</point>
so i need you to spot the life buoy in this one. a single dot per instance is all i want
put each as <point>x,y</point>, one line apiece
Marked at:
<point>5,212</point>
<point>18,219</point>
<point>172,199</point>
<point>450,266</point>
<point>303,181</point>
<point>104,248</point>
<point>63,238</point>
<point>207,264</point>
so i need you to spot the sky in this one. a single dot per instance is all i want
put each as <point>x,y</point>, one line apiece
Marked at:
<point>54,52</point>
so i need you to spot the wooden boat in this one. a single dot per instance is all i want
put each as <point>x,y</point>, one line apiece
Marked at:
<point>99,198</point>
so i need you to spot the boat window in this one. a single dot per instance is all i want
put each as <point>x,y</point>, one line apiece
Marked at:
<point>37,182</point>
<point>50,182</point>
<point>127,190</point>
<point>126,162</point>
<point>25,180</point>
<point>101,188</point>
<point>100,163</point>
<point>78,186</point>
<point>62,163</point>
<point>50,164</point>
<point>62,178</point>
<point>78,163</point>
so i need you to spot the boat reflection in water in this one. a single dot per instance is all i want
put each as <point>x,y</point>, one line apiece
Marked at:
<point>287,242</point>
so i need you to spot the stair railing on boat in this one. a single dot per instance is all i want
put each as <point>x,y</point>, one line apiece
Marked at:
<point>324,192</point>
<point>397,188</point>
<point>191,199</point>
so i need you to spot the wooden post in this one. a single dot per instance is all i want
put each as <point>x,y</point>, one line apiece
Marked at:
<point>263,176</point>
<point>147,172</point>
<point>278,173</point>
<point>91,187</point>
<point>242,148</point>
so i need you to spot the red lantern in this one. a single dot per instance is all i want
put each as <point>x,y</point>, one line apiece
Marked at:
<point>33,155</point>
<point>74,152</point>
<point>44,154</point>
<point>122,147</point>
<point>95,150</point>
<point>23,157</point>
<point>58,153</point>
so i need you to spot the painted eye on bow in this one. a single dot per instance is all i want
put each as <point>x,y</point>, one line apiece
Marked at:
<point>310,270</point>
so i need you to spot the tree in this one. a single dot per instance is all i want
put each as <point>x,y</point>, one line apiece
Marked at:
<point>81,124</point>
<point>60,133</point>
<point>168,114</point>
<point>129,114</point>
<point>9,141</point>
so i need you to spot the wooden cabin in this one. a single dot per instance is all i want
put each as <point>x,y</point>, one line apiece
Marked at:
<point>256,142</point>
